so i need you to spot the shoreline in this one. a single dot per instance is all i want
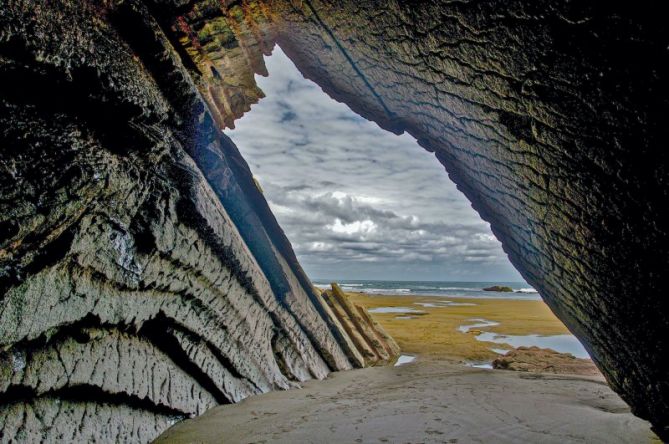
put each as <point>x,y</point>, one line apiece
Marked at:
<point>451,289</point>
<point>429,326</point>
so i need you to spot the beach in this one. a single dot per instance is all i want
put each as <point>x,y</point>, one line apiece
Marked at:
<point>424,402</point>
<point>438,395</point>
<point>430,327</point>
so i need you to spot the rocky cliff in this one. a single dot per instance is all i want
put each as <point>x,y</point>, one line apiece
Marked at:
<point>142,276</point>
<point>549,117</point>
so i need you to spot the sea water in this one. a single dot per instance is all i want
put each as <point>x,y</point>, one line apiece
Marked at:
<point>404,359</point>
<point>559,343</point>
<point>521,290</point>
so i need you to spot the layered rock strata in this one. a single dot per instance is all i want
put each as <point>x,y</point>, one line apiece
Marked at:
<point>369,338</point>
<point>127,218</point>
<point>549,117</point>
<point>143,277</point>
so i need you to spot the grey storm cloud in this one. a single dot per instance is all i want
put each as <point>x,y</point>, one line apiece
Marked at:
<point>357,201</point>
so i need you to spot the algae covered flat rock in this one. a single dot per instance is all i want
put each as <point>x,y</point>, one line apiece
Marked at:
<point>542,360</point>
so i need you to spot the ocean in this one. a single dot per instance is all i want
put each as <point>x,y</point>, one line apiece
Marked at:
<point>434,288</point>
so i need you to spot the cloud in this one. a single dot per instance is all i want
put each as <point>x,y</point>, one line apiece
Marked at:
<point>357,201</point>
<point>356,227</point>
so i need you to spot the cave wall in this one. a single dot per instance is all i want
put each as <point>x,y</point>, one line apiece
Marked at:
<point>143,278</point>
<point>548,116</point>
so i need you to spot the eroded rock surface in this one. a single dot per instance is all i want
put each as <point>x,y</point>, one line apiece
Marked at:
<point>369,338</point>
<point>128,222</point>
<point>544,360</point>
<point>144,279</point>
<point>549,116</point>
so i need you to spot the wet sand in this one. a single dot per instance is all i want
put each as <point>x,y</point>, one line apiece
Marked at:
<point>428,402</point>
<point>435,399</point>
<point>434,334</point>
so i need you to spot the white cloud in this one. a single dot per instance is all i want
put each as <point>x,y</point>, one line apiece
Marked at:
<point>320,246</point>
<point>356,227</point>
<point>356,200</point>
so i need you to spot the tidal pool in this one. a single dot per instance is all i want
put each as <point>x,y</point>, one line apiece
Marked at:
<point>559,343</point>
<point>394,310</point>
<point>479,323</point>
<point>404,359</point>
<point>500,351</point>
<point>487,365</point>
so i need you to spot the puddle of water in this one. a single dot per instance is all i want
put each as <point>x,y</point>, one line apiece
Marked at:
<point>559,343</point>
<point>405,317</point>
<point>480,365</point>
<point>442,304</point>
<point>404,359</point>
<point>427,304</point>
<point>500,351</point>
<point>394,310</point>
<point>479,323</point>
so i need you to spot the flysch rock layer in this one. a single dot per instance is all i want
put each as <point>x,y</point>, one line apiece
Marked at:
<point>143,277</point>
<point>374,344</point>
<point>549,116</point>
<point>127,218</point>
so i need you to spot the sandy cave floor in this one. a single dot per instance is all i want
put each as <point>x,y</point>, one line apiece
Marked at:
<point>428,402</point>
<point>436,399</point>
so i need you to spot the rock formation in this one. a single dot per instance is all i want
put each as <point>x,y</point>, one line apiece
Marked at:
<point>499,288</point>
<point>544,360</point>
<point>375,345</point>
<point>142,276</point>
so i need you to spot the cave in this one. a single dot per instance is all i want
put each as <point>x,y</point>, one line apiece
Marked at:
<point>145,279</point>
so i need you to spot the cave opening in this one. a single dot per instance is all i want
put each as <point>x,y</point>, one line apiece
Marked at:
<point>376,213</point>
<point>349,193</point>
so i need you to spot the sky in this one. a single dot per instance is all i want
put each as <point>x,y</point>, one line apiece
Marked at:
<point>358,202</point>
